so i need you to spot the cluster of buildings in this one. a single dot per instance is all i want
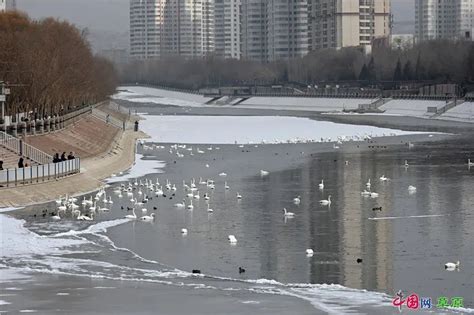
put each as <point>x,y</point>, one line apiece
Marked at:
<point>7,5</point>
<point>260,30</point>
<point>268,30</point>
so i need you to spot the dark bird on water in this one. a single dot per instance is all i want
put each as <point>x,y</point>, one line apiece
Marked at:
<point>377,208</point>
<point>359,260</point>
<point>241,270</point>
<point>196,271</point>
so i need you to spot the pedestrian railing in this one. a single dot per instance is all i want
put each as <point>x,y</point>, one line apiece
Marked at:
<point>122,124</point>
<point>39,173</point>
<point>23,149</point>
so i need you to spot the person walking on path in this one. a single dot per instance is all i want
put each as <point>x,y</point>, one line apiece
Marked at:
<point>20,163</point>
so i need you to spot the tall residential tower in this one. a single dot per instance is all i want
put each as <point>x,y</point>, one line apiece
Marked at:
<point>444,19</point>
<point>7,5</point>
<point>345,23</point>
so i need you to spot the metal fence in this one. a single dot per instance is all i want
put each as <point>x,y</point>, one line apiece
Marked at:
<point>122,124</point>
<point>21,148</point>
<point>39,173</point>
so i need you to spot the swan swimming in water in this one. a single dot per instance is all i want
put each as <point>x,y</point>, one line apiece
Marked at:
<point>451,266</point>
<point>184,231</point>
<point>180,205</point>
<point>383,178</point>
<point>239,196</point>
<point>288,214</point>
<point>131,216</point>
<point>309,252</point>
<point>321,185</point>
<point>411,189</point>
<point>326,202</point>
<point>148,218</point>
<point>368,184</point>
<point>264,173</point>
<point>232,239</point>
<point>297,200</point>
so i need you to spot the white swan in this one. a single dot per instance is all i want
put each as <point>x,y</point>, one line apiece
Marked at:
<point>109,200</point>
<point>184,231</point>
<point>383,178</point>
<point>223,174</point>
<point>297,200</point>
<point>309,252</point>
<point>406,164</point>
<point>326,202</point>
<point>86,218</point>
<point>264,173</point>
<point>469,163</point>
<point>411,189</point>
<point>365,193</point>
<point>56,217</point>
<point>321,185</point>
<point>451,266</point>
<point>94,207</point>
<point>239,196</point>
<point>232,239</point>
<point>206,197</point>
<point>62,208</point>
<point>190,206</point>
<point>374,195</point>
<point>196,196</point>
<point>148,218</point>
<point>288,214</point>
<point>209,209</point>
<point>180,205</point>
<point>227,187</point>
<point>132,216</point>
<point>368,184</point>
<point>60,200</point>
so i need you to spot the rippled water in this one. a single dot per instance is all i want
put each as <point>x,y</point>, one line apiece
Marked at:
<point>403,247</point>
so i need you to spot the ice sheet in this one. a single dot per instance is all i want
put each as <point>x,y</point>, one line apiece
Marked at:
<point>246,129</point>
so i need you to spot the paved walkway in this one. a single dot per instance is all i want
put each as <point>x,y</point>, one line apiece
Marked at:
<point>93,171</point>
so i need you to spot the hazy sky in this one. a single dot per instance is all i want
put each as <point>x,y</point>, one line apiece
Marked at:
<point>112,15</point>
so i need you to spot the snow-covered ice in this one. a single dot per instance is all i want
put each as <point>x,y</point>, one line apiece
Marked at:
<point>248,129</point>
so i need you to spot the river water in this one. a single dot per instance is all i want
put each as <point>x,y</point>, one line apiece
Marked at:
<point>120,266</point>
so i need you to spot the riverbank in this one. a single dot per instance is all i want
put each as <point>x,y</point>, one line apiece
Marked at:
<point>400,113</point>
<point>118,158</point>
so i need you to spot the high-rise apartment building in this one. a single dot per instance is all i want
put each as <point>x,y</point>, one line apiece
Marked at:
<point>448,19</point>
<point>346,23</point>
<point>274,29</point>
<point>171,27</point>
<point>146,29</point>
<point>227,28</point>
<point>7,5</point>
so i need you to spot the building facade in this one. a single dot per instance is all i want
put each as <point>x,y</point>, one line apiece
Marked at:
<point>274,29</point>
<point>7,5</point>
<point>171,27</point>
<point>346,23</point>
<point>227,28</point>
<point>444,19</point>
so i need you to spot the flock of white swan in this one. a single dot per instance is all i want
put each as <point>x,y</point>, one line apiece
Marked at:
<point>137,192</point>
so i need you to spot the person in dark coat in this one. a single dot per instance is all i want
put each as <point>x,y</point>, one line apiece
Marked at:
<point>20,163</point>
<point>63,156</point>
<point>56,158</point>
<point>71,156</point>
<point>1,165</point>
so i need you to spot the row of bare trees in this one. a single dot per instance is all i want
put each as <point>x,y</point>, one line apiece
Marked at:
<point>49,66</point>
<point>439,61</point>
